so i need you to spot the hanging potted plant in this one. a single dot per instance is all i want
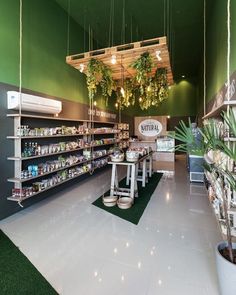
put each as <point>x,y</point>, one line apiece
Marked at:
<point>126,93</point>
<point>99,74</point>
<point>143,66</point>
<point>93,76</point>
<point>151,90</point>
<point>161,84</point>
<point>221,178</point>
<point>106,83</point>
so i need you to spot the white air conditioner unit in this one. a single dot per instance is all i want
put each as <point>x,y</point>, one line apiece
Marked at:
<point>32,103</point>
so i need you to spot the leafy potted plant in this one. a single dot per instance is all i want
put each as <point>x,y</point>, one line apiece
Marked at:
<point>221,177</point>
<point>99,74</point>
<point>151,89</point>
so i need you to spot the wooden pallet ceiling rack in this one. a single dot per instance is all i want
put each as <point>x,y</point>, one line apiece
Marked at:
<point>125,55</point>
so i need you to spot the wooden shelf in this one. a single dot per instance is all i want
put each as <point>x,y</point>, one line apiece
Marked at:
<point>125,55</point>
<point>217,111</point>
<point>230,139</point>
<point>59,135</point>
<point>46,136</point>
<point>99,130</point>
<point>21,180</point>
<point>46,155</point>
<point>20,199</point>
<point>17,115</point>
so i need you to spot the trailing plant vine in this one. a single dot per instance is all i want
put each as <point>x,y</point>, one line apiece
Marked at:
<point>99,74</point>
<point>146,90</point>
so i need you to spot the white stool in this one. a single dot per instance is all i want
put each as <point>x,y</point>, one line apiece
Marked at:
<point>143,178</point>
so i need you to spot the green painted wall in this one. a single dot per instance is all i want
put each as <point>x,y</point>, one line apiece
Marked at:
<point>44,49</point>
<point>44,52</point>
<point>182,101</point>
<point>217,46</point>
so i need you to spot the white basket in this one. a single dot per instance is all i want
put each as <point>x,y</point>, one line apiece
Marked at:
<point>125,202</point>
<point>120,158</point>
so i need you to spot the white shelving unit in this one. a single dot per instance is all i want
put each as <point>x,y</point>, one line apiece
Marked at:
<point>123,135</point>
<point>215,114</point>
<point>93,138</point>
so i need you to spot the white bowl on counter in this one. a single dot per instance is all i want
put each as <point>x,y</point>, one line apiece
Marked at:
<point>117,158</point>
<point>132,156</point>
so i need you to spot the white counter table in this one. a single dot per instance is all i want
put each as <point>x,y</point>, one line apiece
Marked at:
<point>132,176</point>
<point>162,160</point>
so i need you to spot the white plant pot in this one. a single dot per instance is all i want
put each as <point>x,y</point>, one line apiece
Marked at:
<point>226,271</point>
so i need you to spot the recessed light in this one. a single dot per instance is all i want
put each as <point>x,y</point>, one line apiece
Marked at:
<point>183,76</point>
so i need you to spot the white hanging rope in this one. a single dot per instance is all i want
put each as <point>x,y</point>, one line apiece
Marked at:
<point>85,20</point>
<point>131,29</point>
<point>164,18</point>
<point>123,25</point>
<point>21,56</point>
<point>168,22</point>
<point>109,38</point>
<point>68,28</point>
<point>204,61</point>
<point>171,32</point>
<point>112,23</point>
<point>20,79</point>
<point>228,48</point>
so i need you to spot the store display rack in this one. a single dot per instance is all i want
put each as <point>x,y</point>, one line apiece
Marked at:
<point>218,157</point>
<point>97,134</point>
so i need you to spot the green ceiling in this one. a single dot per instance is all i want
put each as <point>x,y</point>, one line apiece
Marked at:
<point>147,19</point>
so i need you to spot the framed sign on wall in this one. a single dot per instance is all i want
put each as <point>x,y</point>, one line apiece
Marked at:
<point>149,128</point>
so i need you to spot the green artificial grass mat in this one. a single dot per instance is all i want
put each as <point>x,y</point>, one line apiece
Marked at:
<point>17,274</point>
<point>134,213</point>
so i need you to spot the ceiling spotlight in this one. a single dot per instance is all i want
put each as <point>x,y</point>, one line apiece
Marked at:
<point>183,76</point>
<point>158,52</point>
<point>122,91</point>
<point>113,59</point>
<point>95,103</point>
<point>81,68</point>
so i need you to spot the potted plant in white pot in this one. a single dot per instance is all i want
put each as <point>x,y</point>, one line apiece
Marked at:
<point>220,157</point>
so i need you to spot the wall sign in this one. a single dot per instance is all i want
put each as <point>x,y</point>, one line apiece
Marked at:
<point>150,127</point>
<point>101,114</point>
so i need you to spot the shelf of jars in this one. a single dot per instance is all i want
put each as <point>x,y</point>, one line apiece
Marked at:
<point>222,186</point>
<point>34,150</point>
<point>56,118</point>
<point>25,132</point>
<point>26,192</point>
<point>220,218</point>
<point>40,170</point>
<point>76,157</point>
<point>123,135</point>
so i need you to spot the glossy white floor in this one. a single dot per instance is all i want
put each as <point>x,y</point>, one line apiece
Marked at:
<point>81,249</point>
